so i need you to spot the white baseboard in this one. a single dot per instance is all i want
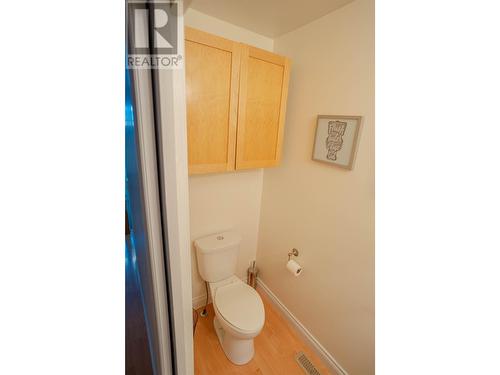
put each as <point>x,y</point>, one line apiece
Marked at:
<point>327,358</point>
<point>199,301</point>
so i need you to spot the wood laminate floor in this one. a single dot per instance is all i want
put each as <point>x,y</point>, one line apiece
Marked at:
<point>275,348</point>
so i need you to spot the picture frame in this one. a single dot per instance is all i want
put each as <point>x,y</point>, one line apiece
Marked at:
<point>336,140</point>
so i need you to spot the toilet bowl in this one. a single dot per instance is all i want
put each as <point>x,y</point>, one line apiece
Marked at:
<point>239,311</point>
<point>239,317</point>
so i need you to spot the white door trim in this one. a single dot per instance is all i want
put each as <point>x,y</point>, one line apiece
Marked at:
<point>143,92</point>
<point>172,103</point>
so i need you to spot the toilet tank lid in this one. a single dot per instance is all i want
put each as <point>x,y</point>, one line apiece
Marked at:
<point>217,242</point>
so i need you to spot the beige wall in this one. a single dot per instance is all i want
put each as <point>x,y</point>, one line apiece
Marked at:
<point>221,202</point>
<point>324,211</point>
<point>225,201</point>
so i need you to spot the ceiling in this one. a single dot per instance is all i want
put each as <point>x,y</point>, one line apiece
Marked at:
<point>270,18</point>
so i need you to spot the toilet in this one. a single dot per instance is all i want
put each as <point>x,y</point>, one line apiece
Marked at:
<point>239,311</point>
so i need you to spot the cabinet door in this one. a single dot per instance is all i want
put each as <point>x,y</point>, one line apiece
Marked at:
<point>262,106</point>
<point>212,80</point>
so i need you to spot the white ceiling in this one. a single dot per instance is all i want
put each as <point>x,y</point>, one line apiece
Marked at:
<point>271,18</point>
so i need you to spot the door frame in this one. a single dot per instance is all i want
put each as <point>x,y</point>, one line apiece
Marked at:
<point>161,113</point>
<point>170,103</point>
<point>144,117</point>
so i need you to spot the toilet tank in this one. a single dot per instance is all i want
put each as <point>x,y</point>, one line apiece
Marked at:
<point>217,255</point>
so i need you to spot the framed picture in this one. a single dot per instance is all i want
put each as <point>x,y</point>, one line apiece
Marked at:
<point>336,140</point>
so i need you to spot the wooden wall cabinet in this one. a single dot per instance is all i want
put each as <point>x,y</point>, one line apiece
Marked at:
<point>236,104</point>
<point>212,80</point>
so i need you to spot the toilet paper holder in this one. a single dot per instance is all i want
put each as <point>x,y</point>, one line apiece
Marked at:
<point>294,252</point>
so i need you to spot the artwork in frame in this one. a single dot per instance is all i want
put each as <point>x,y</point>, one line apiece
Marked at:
<point>336,140</point>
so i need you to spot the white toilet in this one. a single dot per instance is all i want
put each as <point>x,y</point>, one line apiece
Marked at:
<point>239,311</point>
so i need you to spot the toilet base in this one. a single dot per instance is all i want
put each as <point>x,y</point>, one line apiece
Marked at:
<point>238,351</point>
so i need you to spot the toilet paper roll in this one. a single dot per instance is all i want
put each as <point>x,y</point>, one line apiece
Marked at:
<point>294,268</point>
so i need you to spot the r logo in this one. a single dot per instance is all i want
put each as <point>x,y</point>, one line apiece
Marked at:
<point>163,16</point>
<point>161,21</point>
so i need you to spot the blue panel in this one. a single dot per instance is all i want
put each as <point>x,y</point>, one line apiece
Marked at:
<point>138,335</point>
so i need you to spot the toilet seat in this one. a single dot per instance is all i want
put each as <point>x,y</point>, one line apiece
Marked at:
<point>240,306</point>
